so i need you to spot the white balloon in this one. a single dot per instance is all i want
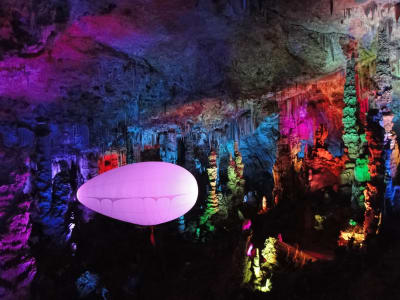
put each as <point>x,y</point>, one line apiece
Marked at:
<point>147,193</point>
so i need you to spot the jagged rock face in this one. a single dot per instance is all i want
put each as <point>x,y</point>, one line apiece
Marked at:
<point>259,154</point>
<point>17,266</point>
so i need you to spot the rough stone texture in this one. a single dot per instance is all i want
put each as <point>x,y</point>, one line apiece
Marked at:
<point>259,154</point>
<point>17,266</point>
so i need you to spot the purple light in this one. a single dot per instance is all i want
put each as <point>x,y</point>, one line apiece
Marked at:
<point>246,225</point>
<point>147,193</point>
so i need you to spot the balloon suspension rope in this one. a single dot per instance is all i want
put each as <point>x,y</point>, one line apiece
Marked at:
<point>152,239</point>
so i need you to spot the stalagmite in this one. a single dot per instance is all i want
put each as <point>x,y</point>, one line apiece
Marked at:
<point>212,171</point>
<point>374,193</point>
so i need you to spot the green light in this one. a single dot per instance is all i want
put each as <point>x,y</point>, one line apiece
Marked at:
<point>352,222</point>
<point>363,138</point>
<point>361,170</point>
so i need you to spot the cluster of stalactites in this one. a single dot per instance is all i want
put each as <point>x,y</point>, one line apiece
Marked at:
<point>165,137</point>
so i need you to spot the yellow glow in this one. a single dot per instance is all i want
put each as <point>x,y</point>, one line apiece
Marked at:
<point>256,268</point>
<point>267,287</point>
<point>354,233</point>
<point>264,206</point>
<point>269,252</point>
<point>320,222</point>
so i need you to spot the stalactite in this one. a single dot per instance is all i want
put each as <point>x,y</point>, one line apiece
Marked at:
<point>239,167</point>
<point>389,28</point>
<point>348,12</point>
<point>397,11</point>
<point>331,6</point>
<point>331,47</point>
<point>371,7</point>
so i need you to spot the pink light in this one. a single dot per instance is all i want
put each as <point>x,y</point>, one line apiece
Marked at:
<point>147,193</point>
<point>246,225</point>
<point>250,250</point>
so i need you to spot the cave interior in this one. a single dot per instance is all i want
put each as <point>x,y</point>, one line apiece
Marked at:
<point>287,114</point>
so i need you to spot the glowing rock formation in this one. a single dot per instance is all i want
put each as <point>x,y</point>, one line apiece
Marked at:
<point>264,206</point>
<point>361,172</point>
<point>17,266</point>
<point>356,172</point>
<point>352,235</point>
<point>235,176</point>
<point>319,222</point>
<point>270,253</point>
<point>377,136</point>
<point>310,127</point>
<point>213,199</point>
<point>351,136</point>
<point>259,269</point>
<point>111,160</point>
<point>212,171</point>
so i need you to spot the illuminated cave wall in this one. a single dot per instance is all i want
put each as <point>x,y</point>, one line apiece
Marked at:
<point>16,204</point>
<point>288,118</point>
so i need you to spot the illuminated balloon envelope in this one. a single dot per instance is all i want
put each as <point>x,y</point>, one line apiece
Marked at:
<point>147,193</point>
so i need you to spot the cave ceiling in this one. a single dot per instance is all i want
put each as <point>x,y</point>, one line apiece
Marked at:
<point>167,53</point>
